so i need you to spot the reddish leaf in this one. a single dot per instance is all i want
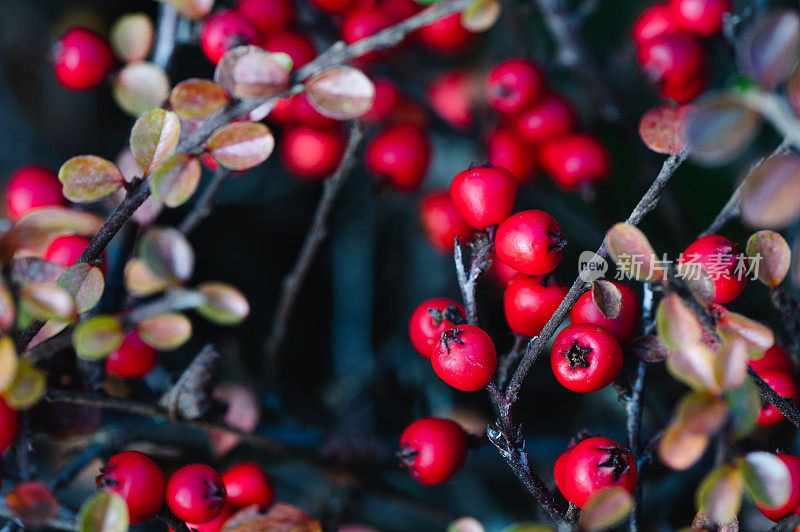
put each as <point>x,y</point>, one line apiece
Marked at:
<point>259,74</point>
<point>154,137</point>
<point>88,178</point>
<point>773,255</point>
<point>770,195</point>
<point>32,503</point>
<point>662,128</point>
<point>632,252</point>
<point>241,145</point>
<point>342,93</point>
<point>197,98</point>
<point>175,181</point>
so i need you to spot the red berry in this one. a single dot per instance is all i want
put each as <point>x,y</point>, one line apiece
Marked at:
<point>551,118</point>
<point>333,7</point>
<point>446,36</point>
<point>502,272</point>
<point>387,99</point>
<point>575,161</point>
<point>9,421</point>
<point>430,319</point>
<point>442,222</point>
<point>311,153</point>
<point>465,358</point>
<point>703,17</point>
<point>624,326</point>
<point>225,30</point>
<point>775,359</point>
<point>82,59</point>
<point>786,386</point>
<point>673,61</point>
<point>451,97</point>
<point>719,257</point>
<point>594,464</point>
<point>433,449</point>
<point>559,469</point>
<point>196,493</point>
<point>31,187</point>
<point>137,479</point>
<point>401,9</point>
<point>484,195</point>
<point>793,502</point>
<point>267,16</point>
<point>585,358</point>
<point>513,85</point>
<point>531,242</point>
<point>247,484</point>
<point>132,359</point>
<point>303,113</point>
<point>65,250</point>
<point>363,22</point>
<point>529,302</point>
<point>656,20</point>
<point>684,91</point>
<point>216,524</point>
<point>400,154</point>
<point>296,45</point>
<point>506,149</point>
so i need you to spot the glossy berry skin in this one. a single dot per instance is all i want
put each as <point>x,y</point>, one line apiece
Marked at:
<point>137,479</point>
<point>624,326</point>
<point>703,17</point>
<point>673,61</point>
<point>267,16</point>
<point>484,195</point>
<point>196,493</point>
<point>502,272</point>
<point>333,7</point>
<point>363,22</point>
<point>216,524</point>
<point>225,30</point>
<point>311,153</point>
<point>65,250</point>
<point>303,113</point>
<point>32,187</point>
<point>505,149</point>
<point>594,464</point>
<point>786,386</point>
<point>465,358</point>
<point>531,242</point>
<point>387,99</point>
<point>132,359</point>
<point>719,256</point>
<point>442,222</point>
<point>575,161</point>
<point>296,45</point>
<point>513,85</point>
<point>585,358</point>
<point>793,502</point>
<point>559,470</point>
<point>529,302</point>
<point>82,59</point>
<point>549,119</point>
<point>425,330</point>
<point>656,20</point>
<point>450,96</point>
<point>399,154</point>
<point>433,449</point>
<point>775,359</point>
<point>247,484</point>
<point>446,36</point>
<point>9,423</point>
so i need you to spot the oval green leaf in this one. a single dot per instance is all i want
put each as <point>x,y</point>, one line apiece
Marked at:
<point>165,331</point>
<point>154,137</point>
<point>103,512</point>
<point>88,178</point>
<point>175,181</point>
<point>197,98</point>
<point>167,254</point>
<point>241,145</point>
<point>342,93</point>
<point>224,304</point>
<point>97,337</point>
<point>140,86</point>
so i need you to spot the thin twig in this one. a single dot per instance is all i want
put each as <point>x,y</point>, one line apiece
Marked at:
<point>507,362</point>
<point>166,35</point>
<point>205,203</point>
<point>785,405</point>
<point>68,473</point>
<point>480,260</point>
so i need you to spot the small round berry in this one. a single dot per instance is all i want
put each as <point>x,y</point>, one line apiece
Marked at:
<point>247,484</point>
<point>703,17</point>
<point>529,302</point>
<point>513,85</point>
<point>363,22</point>
<point>400,10</point>
<point>82,59</point>
<point>465,358</point>
<point>656,20</point>
<point>551,118</point>
<point>333,7</point>
<point>484,195</point>
<point>433,449</point>
<point>775,359</point>
<point>793,502</point>
<point>387,99</point>
<point>451,97</point>
<point>595,464</point>
<point>442,222</point>
<point>531,242</point>
<point>32,187</point>
<point>429,320</point>
<point>446,36</point>
<point>400,154</point>
<point>673,61</point>
<point>196,493</point>
<point>786,386</point>
<point>559,469</point>
<point>505,149</point>
<point>502,272</point>
<point>132,359</point>
<point>585,358</point>
<point>304,114</point>
<point>719,257</point>
<point>684,91</point>
<point>66,250</point>
<point>296,45</point>
<point>311,153</point>
<point>225,30</point>
<point>9,421</point>
<point>624,326</point>
<point>137,479</point>
<point>267,16</point>
<point>576,161</point>
<point>216,524</point>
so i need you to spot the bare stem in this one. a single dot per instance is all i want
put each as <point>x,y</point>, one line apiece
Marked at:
<point>785,405</point>
<point>166,35</point>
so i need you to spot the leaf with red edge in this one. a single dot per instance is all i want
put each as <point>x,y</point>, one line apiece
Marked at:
<point>773,255</point>
<point>197,98</point>
<point>677,326</point>
<point>770,195</point>
<point>720,494</point>
<point>140,86</point>
<point>165,332</point>
<point>154,137</point>
<point>680,449</point>
<point>768,50</point>
<point>241,145</point>
<point>607,297</point>
<point>720,129</point>
<point>632,252</point>
<point>693,365</point>
<point>97,337</point>
<point>758,336</point>
<point>259,74</point>
<point>175,181</point>
<point>342,93</point>
<point>131,36</point>
<point>662,128</point>
<point>88,178</point>
<point>606,508</point>
<point>767,478</point>
<point>223,304</point>
<point>47,301</point>
<point>140,281</point>
<point>33,503</point>
<point>281,516</point>
<point>86,284</point>
<point>701,413</point>
<point>731,363</point>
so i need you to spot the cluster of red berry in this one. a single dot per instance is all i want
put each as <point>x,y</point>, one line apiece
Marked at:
<point>667,35</point>
<point>195,493</point>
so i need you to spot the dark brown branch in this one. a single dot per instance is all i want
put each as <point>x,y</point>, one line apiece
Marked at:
<point>205,203</point>
<point>480,260</point>
<point>507,362</point>
<point>785,405</point>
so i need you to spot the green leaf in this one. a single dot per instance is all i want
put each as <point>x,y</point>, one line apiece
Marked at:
<point>676,324</point>
<point>140,86</point>
<point>27,388</point>
<point>154,137</point>
<point>745,404</point>
<point>103,512</point>
<point>167,254</point>
<point>88,178</point>
<point>767,478</point>
<point>131,36</point>
<point>165,332</point>
<point>342,93</point>
<point>719,496</point>
<point>97,337</point>
<point>197,98</point>
<point>241,145</point>
<point>773,255</point>
<point>606,508</point>
<point>46,301</point>
<point>86,284</point>
<point>175,181</point>
<point>224,304</point>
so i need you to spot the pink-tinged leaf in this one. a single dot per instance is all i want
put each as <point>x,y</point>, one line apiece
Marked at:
<point>86,284</point>
<point>731,364</point>
<point>767,478</point>
<point>662,129</point>
<point>88,178</point>
<point>694,365</point>
<point>632,252</point>
<point>103,512</point>
<point>131,37</point>
<point>46,301</point>
<point>698,280</point>
<point>58,221</point>
<point>607,298</point>
<point>33,503</point>
<point>701,413</point>
<point>225,72</point>
<point>480,15</point>
<point>606,508</point>
<point>193,9</point>
<point>680,449</point>
<point>140,281</point>
<point>243,413</point>
<point>677,326</point>
<point>34,270</point>
<point>197,98</point>
<point>770,195</point>
<point>50,329</point>
<point>720,494</point>
<point>27,388</point>
<point>259,74</point>
<point>773,255</point>
<point>175,181</point>
<point>463,524</point>
<point>342,93</point>
<point>223,304</point>
<point>720,129</point>
<point>758,336</point>
<point>281,516</point>
<point>9,362</point>
<point>165,332</point>
<point>154,137</point>
<point>8,310</point>
<point>167,254</point>
<point>768,49</point>
<point>140,86</point>
<point>241,145</point>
